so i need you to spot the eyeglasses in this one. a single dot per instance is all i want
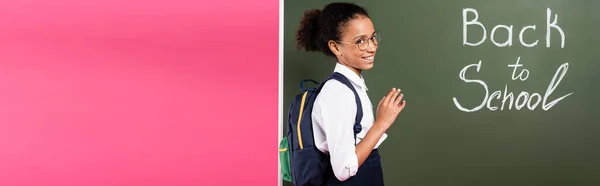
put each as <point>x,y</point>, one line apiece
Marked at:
<point>363,43</point>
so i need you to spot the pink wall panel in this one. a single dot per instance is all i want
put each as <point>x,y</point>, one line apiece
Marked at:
<point>138,93</point>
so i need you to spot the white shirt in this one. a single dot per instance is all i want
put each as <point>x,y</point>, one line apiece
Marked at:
<point>333,117</point>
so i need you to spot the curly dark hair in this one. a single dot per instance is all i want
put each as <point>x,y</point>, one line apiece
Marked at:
<point>318,27</point>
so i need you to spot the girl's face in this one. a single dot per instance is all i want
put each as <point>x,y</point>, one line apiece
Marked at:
<point>357,45</point>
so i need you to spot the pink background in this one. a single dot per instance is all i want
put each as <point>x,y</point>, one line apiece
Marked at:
<point>138,93</point>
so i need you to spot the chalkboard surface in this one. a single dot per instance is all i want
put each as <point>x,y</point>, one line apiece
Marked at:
<point>498,92</point>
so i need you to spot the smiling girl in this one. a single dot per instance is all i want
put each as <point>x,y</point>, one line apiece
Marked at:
<point>345,32</point>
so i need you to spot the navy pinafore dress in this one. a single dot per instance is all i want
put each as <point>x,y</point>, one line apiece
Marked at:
<point>369,173</point>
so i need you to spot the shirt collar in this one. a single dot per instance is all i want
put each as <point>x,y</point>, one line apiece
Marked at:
<point>353,77</point>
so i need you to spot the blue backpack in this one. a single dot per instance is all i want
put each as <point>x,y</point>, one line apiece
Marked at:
<point>302,163</point>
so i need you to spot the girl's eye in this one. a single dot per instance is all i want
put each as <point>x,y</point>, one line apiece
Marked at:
<point>360,41</point>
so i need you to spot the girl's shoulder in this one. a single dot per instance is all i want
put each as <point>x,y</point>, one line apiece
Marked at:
<point>335,91</point>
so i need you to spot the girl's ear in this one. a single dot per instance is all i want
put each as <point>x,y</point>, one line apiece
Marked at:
<point>334,48</point>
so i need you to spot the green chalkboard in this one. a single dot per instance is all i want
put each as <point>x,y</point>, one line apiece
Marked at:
<point>423,51</point>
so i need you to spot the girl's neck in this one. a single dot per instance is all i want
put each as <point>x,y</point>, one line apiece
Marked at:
<point>355,70</point>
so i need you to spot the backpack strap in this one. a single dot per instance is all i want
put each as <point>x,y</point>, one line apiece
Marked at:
<point>359,111</point>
